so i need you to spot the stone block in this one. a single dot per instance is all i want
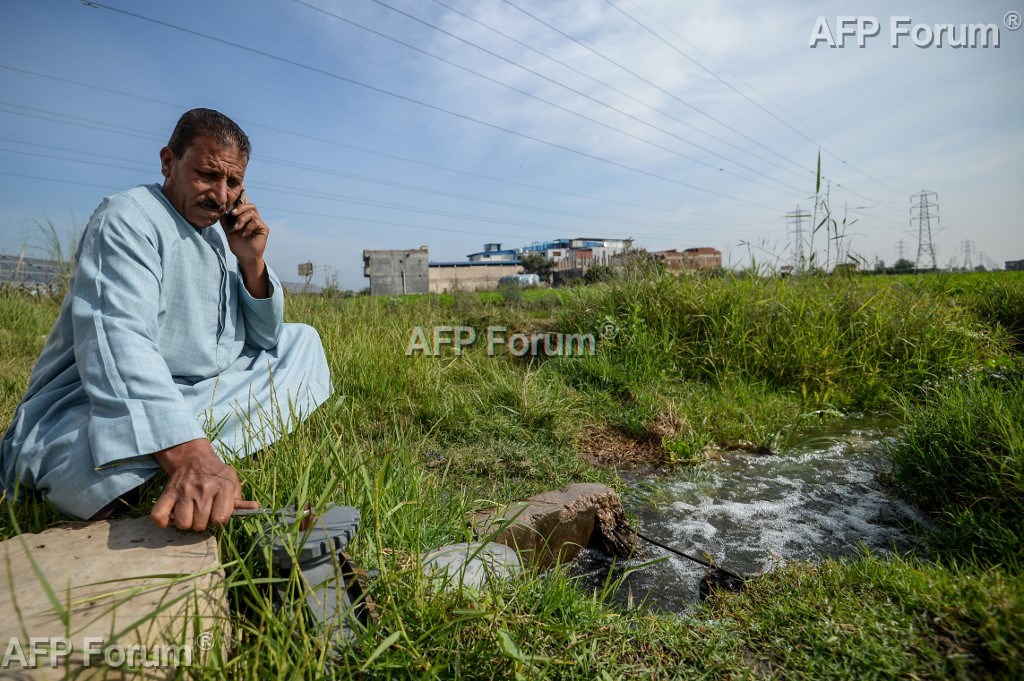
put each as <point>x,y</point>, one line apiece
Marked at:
<point>554,526</point>
<point>471,565</point>
<point>134,601</point>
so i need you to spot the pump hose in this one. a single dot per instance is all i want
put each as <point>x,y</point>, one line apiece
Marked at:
<point>695,559</point>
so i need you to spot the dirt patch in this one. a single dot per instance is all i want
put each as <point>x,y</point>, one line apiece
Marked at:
<point>604,446</point>
<point>667,425</point>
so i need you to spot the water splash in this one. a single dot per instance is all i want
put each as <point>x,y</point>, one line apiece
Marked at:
<point>753,513</point>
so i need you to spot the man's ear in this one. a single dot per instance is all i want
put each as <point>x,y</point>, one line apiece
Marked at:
<point>167,157</point>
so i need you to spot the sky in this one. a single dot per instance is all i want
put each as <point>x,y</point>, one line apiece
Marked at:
<point>380,124</point>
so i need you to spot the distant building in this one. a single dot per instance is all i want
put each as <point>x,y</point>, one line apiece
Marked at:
<point>1015,265</point>
<point>396,272</point>
<point>579,254</point>
<point>446,277</point>
<point>494,253</point>
<point>690,259</point>
<point>37,275</point>
<point>408,271</point>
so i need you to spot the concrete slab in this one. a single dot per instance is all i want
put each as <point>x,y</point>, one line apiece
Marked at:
<point>133,601</point>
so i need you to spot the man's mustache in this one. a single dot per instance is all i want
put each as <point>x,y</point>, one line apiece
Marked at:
<point>206,204</point>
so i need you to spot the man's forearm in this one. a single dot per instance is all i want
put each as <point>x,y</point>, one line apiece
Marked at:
<point>255,278</point>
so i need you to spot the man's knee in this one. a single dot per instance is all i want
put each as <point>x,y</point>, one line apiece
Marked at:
<point>302,335</point>
<point>302,342</point>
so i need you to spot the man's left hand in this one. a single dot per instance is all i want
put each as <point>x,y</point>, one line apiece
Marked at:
<point>247,241</point>
<point>201,489</point>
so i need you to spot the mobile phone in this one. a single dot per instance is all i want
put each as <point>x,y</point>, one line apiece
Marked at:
<point>229,219</point>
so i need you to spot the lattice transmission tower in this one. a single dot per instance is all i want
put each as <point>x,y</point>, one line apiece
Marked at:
<point>901,249</point>
<point>795,229</point>
<point>923,212</point>
<point>968,250</point>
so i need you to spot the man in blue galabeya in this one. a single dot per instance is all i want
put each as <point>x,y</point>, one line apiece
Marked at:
<point>170,352</point>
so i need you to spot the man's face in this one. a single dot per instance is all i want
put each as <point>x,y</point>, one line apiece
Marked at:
<point>204,182</point>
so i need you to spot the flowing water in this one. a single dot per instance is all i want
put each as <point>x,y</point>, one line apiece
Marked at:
<point>751,513</point>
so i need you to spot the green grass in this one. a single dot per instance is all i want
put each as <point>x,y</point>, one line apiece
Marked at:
<point>962,459</point>
<point>418,442</point>
<point>849,342</point>
<point>875,618</point>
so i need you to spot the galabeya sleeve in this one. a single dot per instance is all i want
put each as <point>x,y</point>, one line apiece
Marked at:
<point>264,317</point>
<point>136,408</point>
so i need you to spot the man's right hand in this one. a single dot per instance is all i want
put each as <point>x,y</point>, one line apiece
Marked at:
<point>201,489</point>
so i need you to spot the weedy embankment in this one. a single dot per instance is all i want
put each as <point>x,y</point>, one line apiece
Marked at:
<point>416,442</point>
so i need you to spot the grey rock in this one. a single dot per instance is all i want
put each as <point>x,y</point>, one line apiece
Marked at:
<point>472,565</point>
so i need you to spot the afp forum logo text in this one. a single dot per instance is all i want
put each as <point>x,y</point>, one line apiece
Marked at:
<point>903,31</point>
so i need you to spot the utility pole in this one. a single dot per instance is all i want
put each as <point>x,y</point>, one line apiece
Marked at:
<point>923,212</point>
<point>795,228</point>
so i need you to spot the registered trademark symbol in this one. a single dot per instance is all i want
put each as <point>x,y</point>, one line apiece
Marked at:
<point>205,640</point>
<point>1012,20</point>
<point>609,329</point>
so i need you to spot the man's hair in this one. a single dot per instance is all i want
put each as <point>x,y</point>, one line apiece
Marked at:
<point>207,123</point>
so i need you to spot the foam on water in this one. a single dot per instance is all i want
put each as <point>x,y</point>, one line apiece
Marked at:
<point>753,513</point>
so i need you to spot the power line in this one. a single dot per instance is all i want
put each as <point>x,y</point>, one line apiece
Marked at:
<point>273,208</point>
<point>293,211</point>
<point>342,198</point>
<point>883,204</point>
<point>427,105</point>
<point>456,195</point>
<point>52,118</point>
<point>342,145</point>
<point>875,218</point>
<point>648,105</point>
<point>352,176</point>
<point>301,192</point>
<point>135,132</point>
<point>324,140</point>
<point>738,78</point>
<point>538,98</point>
<point>746,97</point>
<point>307,193</point>
<point>554,82</point>
<point>53,179</point>
<point>654,85</point>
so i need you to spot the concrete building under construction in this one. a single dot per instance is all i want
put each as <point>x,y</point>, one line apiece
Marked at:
<point>396,272</point>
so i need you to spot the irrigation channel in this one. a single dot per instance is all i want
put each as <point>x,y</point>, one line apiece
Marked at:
<point>751,513</point>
